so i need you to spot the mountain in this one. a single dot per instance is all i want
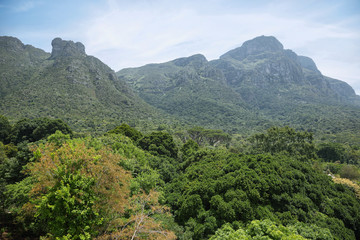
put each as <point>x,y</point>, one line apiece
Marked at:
<point>253,86</point>
<point>192,90</point>
<point>66,84</point>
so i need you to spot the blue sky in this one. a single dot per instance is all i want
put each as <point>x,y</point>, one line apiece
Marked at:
<point>131,33</point>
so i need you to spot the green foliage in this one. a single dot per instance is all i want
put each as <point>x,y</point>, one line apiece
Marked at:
<point>79,89</point>
<point>208,136</point>
<point>17,194</point>
<point>160,144</point>
<point>35,129</point>
<point>128,131</point>
<point>231,187</point>
<point>311,231</point>
<point>265,229</point>
<point>67,210</point>
<point>58,138</point>
<point>284,140</point>
<point>11,166</point>
<point>5,129</point>
<point>351,172</point>
<point>332,152</point>
<point>189,148</point>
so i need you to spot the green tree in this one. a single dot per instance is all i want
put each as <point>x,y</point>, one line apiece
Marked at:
<point>67,209</point>
<point>267,229</point>
<point>128,131</point>
<point>284,140</point>
<point>160,144</point>
<point>5,129</point>
<point>73,185</point>
<point>189,148</point>
<point>35,129</point>
<point>204,136</point>
<point>332,152</point>
<point>351,172</point>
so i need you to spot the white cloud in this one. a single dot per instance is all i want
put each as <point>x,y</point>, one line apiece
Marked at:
<point>134,33</point>
<point>24,6</point>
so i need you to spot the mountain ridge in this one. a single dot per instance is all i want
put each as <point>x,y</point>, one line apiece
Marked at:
<point>66,84</point>
<point>247,89</point>
<point>267,81</point>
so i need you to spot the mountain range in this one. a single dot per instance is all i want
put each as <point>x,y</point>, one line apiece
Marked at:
<point>66,84</point>
<point>250,88</point>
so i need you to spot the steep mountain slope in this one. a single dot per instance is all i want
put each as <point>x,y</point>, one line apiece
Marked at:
<point>67,84</point>
<point>194,91</point>
<point>289,88</point>
<point>257,84</point>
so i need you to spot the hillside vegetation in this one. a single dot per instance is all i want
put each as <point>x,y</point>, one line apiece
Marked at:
<point>131,185</point>
<point>257,144</point>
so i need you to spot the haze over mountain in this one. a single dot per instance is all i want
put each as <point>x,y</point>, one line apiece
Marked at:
<point>66,84</point>
<point>250,88</point>
<point>259,80</point>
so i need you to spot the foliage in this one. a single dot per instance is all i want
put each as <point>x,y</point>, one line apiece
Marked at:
<point>35,129</point>
<point>189,148</point>
<point>11,166</point>
<point>351,172</point>
<point>159,144</point>
<point>5,129</point>
<point>73,185</point>
<point>67,209</point>
<point>219,187</point>
<point>128,131</point>
<point>265,229</point>
<point>58,138</point>
<point>208,136</point>
<point>79,89</point>
<point>143,223</point>
<point>284,140</point>
<point>350,184</point>
<point>332,152</point>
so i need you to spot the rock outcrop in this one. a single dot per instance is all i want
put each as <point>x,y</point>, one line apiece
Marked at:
<point>66,48</point>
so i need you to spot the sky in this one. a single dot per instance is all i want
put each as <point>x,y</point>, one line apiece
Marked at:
<point>132,33</point>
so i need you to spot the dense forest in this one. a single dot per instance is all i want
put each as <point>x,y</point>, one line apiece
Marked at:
<point>197,184</point>
<point>257,144</point>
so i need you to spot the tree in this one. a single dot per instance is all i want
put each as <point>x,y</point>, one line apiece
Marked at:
<point>35,129</point>
<point>284,140</point>
<point>189,148</point>
<point>128,131</point>
<point>332,152</point>
<point>144,209</point>
<point>208,136</point>
<point>81,192</point>
<point>266,229</point>
<point>5,129</point>
<point>74,184</point>
<point>160,144</point>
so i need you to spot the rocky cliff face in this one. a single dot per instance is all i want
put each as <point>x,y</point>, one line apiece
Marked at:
<point>67,84</point>
<point>264,73</point>
<point>257,84</point>
<point>66,48</point>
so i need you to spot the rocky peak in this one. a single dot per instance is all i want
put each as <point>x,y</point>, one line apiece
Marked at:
<point>255,46</point>
<point>66,48</point>
<point>11,43</point>
<point>307,63</point>
<point>196,60</point>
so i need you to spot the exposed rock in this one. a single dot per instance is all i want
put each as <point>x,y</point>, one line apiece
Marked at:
<point>255,46</point>
<point>308,63</point>
<point>11,43</point>
<point>66,48</point>
<point>197,60</point>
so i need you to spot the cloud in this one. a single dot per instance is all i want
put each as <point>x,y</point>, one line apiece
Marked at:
<point>133,33</point>
<point>24,6</point>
